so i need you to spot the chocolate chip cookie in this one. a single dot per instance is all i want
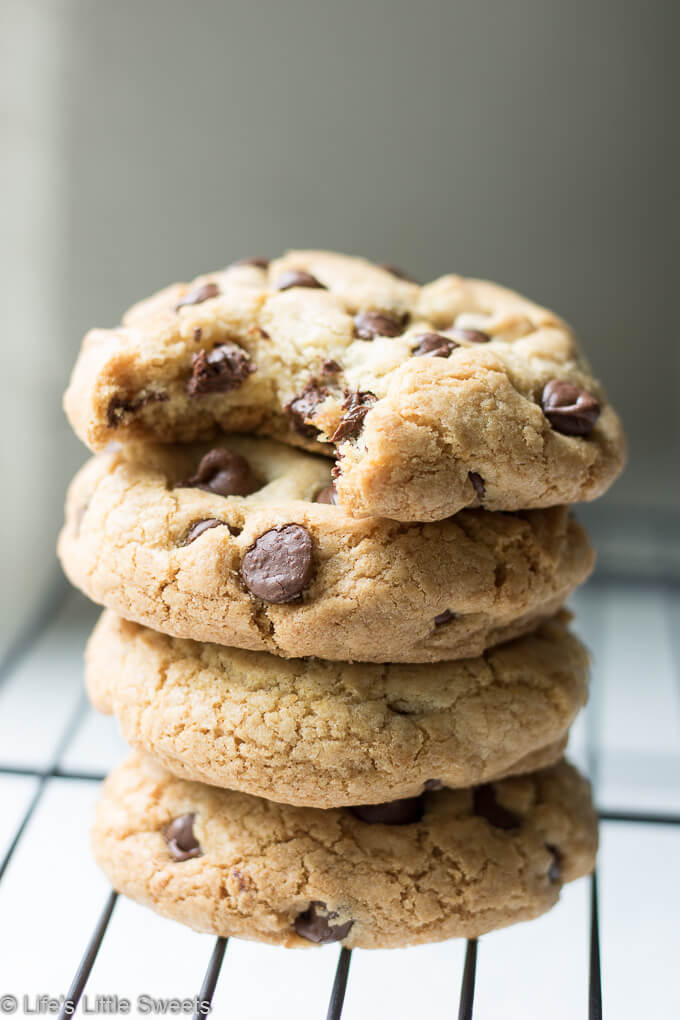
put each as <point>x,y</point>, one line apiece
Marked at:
<point>455,394</point>
<point>241,543</point>
<point>448,864</point>
<point>326,734</point>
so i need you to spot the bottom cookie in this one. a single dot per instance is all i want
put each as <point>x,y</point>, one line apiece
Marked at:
<point>451,863</point>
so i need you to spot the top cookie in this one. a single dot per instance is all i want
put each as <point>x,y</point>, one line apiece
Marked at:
<point>458,393</point>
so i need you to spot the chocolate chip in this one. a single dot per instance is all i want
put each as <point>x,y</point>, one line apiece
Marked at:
<point>297,278</point>
<point>330,367</point>
<point>368,325</point>
<point>396,271</point>
<point>486,805</point>
<point>198,527</point>
<point>251,260</point>
<point>356,406</point>
<point>314,924</point>
<point>327,495</point>
<point>198,295</point>
<point>278,566</point>
<point>395,812</point>
<point>444,617</point>
<point>198,334</point>
<point>477,484</point>
<point>433,345</point>
<point>555,869</point>
<point>473,336</point>
<point>304,405</point>
<point>433,784</point>
<point>179,835</point>
<point>569,409</point>
<point>222,369</point>
<point>225,473</point>
<point>119,407</point>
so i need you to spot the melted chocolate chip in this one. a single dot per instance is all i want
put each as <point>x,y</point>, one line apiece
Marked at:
<point>251,260</point>
<point>198,527</point>
<point>369,325</point>
<point>396,271</point>
<point>477,483</point>
<point>119,407</point>
<point>356,406</point>
<point>327,495</point>
<point>179,835</point>
<point>314,924</point>
<point>297,278</point>
<point>330,367</point>
<point>472,336</point>
<point>304,405</point>
<point>279,565</point>
<point>198,295</point>
<point>486,806</point>
<point>555,869</point>
<point>222,369</point>
<point>444,617</point>
<point>395,812</point>
<point>433,784</point>
<point>433,345</point>
<point>225,473</point>
<point>569,409</point>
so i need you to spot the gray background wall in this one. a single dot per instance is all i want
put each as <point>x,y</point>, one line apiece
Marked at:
<point>530,141</point>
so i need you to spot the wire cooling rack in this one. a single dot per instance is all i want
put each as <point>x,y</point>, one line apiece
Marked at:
<point>611,944</point>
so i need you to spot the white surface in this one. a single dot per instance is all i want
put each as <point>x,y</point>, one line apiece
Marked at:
<point>634,711</point>
<point>43,690</point>
<point>52,893</point>
<point>639,911</point>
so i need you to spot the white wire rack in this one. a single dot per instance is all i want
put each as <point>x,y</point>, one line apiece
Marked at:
<point>64,933</point>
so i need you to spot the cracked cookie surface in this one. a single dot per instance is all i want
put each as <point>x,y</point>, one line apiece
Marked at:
<point>458,393</point>
<point>227,863</point>
<point>327,734</point>
<point>149,534</point>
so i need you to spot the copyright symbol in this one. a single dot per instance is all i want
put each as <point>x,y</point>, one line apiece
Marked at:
<point>9,1004</point>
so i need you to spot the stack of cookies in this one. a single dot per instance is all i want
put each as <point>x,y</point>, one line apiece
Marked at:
<point>328,519</point>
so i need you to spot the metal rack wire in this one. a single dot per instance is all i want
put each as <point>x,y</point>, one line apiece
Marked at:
<point>55,770</point>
